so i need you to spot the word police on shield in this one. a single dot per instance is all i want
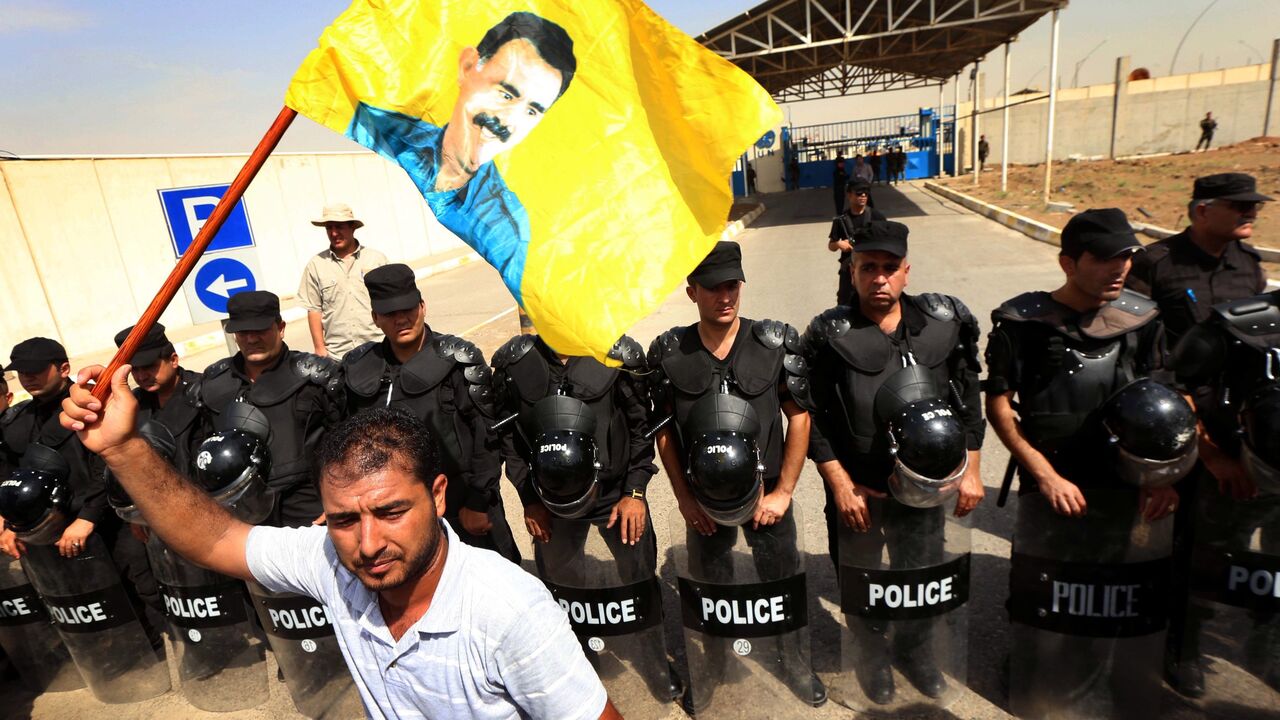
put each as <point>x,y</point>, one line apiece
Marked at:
<point>187,209</point>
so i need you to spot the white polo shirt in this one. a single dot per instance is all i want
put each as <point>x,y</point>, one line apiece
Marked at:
<point>493,644</point>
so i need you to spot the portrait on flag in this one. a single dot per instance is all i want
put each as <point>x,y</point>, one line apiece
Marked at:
<point>581,147</point>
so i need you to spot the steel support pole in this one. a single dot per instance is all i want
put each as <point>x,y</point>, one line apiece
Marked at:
<point>1053,106</point>
<point>955,130</point>
<point>938,127</point>
<point>1004,141</point>
<point>977,119</point>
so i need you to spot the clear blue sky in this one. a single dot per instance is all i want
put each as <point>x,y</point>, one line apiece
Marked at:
<point>179,76</point>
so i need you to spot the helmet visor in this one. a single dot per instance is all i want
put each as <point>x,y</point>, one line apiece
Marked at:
<point>1145,472</point>
<point>915,490</point>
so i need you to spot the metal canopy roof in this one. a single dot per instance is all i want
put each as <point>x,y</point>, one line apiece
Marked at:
<point>809,49</point>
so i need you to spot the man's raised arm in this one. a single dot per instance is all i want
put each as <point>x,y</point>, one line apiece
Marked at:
<point>185,518</point>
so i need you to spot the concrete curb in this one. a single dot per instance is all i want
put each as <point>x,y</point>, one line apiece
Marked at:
<point>736,227</point>
<point>1025,225</point>
<point>217,339</point>
<point>1053,236</point>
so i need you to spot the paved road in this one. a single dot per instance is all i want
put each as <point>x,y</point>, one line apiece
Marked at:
<point>791,277</point>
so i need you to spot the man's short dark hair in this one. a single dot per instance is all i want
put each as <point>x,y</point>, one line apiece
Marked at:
<point>370,441</point>
<point>549,39</point>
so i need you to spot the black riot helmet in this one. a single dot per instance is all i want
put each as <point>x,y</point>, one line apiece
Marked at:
<point>240,415</point>
<point>1260,419</point>
<point>161,440</point>
<point>926,439</point>
<point>233,467</point>
<point>565,459</point>
<point>725,471</point>
<point>35,500</point>
<point>1154,432</point>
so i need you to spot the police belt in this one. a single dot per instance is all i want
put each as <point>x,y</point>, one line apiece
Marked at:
<point>606,612</point>
<point>1089,599</point>
<point>905,594</point>
<point>748,610</point>
<point>1236,577</point>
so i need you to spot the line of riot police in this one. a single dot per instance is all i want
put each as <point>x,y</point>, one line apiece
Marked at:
<point>882,394</point>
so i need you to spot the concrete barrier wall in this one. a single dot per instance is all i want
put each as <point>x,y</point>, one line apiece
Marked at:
<point>1158,115</point>
<point>84,245</point>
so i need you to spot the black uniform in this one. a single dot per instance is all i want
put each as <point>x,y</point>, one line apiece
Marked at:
<point>760,368</point>
<point>844,227</point>
<point>839,176</point>
<point>1229,359</point>
<point>1186,282</point>
<point>447,386</point>
<point>36,421</point>
<point>849,358</point>
<point>1063,365</point>
<point>527,370</point>
<point>302,397</point>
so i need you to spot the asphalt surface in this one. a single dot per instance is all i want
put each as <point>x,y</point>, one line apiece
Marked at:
<point>791,276</point>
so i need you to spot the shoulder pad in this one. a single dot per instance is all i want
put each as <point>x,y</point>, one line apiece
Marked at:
<point>1027,306</point>
<point>937,306</point>
<point>664,345</point>
<point>1134,303</point>
<point>791,341</point>
<point>1257,315</point>
<point>356,354</point>
<point>514,349</point>
<point>316,369</point>
<point>460,350</point>
<point>628,352</point>
<point>770,333</point>
<point>217,368</point>
<point>827,326</point>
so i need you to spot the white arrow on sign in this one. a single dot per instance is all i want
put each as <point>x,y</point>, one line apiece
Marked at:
<point>224,288</point>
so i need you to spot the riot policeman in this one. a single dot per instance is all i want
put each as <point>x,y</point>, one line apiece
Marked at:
<point>300,394</point>
<point>1233,360</point>
<point>1089,575</point>
<point>1208,263</point>
<point>444,381</point>
<point>894,378</point>
<point>162,389</point>
<point>726,382</point>
<point>579,454</point>
<point>44,372</point>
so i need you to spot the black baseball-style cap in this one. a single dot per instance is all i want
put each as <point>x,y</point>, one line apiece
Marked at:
<point>883,235</point>
<point>1104,233</point>
<point>857,185</point>
<point>253,310</point>
<point>35,355</point>
<point>153,346</point>
<point>722,264</point>
<point>1228,186</point>
<point>391,288</point>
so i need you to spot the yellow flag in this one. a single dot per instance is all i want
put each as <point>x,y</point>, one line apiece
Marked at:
<point>582,147</point>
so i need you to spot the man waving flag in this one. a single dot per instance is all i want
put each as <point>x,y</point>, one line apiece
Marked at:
<point>582,147</point>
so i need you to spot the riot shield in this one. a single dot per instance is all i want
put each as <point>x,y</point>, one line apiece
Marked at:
<point>1233,623</point>
<point>1089,603</point>
<point>92,613</point>
<point>221,662</point>
<point>28,638</point>
<point>745,613</point>
<point>307,652</point>
<point>904,587</point>
<point>611,594</point>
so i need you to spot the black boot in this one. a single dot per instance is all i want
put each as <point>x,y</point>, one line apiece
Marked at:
<point>914,640</point>
<point>797,672</point>
<point>872,653</point>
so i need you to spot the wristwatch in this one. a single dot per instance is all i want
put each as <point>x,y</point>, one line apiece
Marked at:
<point>637,494</point>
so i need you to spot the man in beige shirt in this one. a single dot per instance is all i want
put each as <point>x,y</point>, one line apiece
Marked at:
<point>332,289</point>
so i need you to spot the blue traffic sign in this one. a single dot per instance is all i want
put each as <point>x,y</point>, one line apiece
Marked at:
<point>219,279</point>
<point>187,209</point>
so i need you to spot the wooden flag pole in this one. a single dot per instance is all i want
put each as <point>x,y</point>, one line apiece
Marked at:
<point>189,259</point>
